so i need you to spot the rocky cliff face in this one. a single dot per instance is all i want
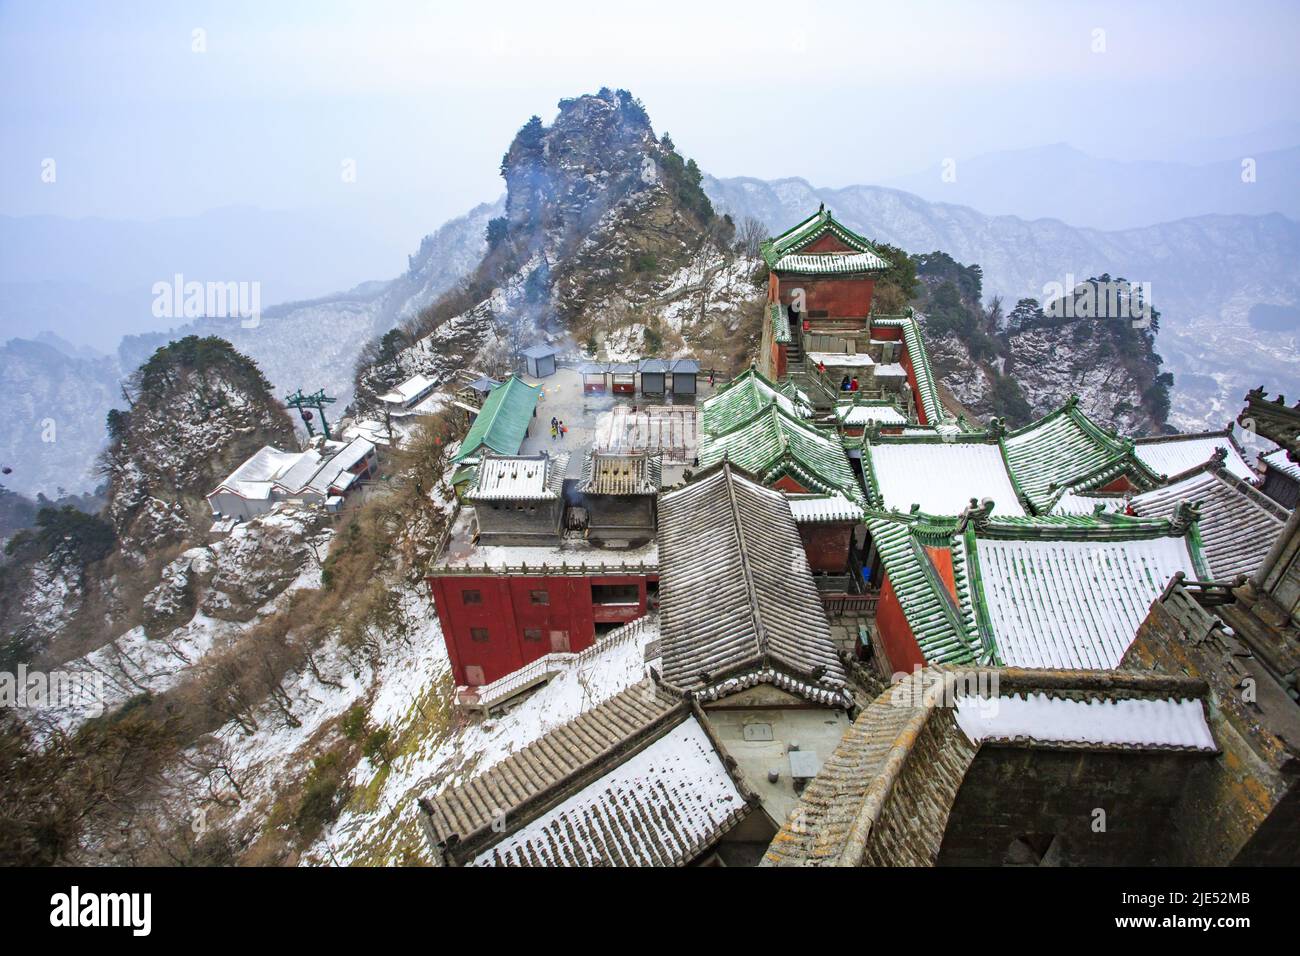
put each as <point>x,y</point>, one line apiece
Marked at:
<point>1020,364</point>
<point>607,242</point>
<point>199,408</point>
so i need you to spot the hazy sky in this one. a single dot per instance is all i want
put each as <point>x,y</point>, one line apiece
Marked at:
<point>424,97</point>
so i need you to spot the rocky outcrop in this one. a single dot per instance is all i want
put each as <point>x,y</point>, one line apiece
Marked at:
<point>607,241</point>
<point>199,409</point>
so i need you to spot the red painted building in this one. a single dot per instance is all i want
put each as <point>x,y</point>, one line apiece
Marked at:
<point>496,622</point>
<point>510,586</point>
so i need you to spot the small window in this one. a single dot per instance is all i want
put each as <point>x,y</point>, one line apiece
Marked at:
<point>532,634</point>
<point>479,634</point>
<point>539,597</point>
<point>471,597</point>
<point>615,594</point>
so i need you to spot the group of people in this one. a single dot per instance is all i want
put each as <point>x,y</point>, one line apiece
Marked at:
<point>558,428</point>
<point>847,384</point>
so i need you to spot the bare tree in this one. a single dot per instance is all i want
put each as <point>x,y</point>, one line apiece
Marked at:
<point>749,236</point>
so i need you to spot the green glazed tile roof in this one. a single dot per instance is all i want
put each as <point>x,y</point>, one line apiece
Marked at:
<point>942,633</point>
<point>780,324</point>
<point>772,443</point>
<point>503,420</point>
<point>926,384</point>
<point>1066,449</point>
<point>812,229</point>
<point>832,263</point>
<point>1052,591</point>
<point>738,401</point>
<point>1070,592</point>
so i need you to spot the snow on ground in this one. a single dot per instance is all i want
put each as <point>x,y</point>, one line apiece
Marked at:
<point>439,747</point>
<point>134,663</point>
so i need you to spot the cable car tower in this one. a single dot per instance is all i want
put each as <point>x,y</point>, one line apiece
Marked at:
<point>317,400</point>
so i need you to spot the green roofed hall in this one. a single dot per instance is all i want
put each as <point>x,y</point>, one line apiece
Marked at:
<point>740,399</point>
<point>502,423</point>
<point>773,444</point>
<point>789,251</point>
<point>1067,450</point>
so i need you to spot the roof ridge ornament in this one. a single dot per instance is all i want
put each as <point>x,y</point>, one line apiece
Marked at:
<point>1186,514</point>
<point>976,514</point>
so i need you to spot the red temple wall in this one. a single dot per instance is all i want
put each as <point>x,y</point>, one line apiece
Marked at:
<point>827,546</point>
<point>507,609</point>
<point>838,298</point>
<point>895,633</point>
<point>827,242</point>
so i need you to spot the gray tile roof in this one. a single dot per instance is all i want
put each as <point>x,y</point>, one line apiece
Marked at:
<point>606,473</point>
<point>736,595</point>
<point>1238,524</point>
<point>530,782</point>
<point>660,805</point>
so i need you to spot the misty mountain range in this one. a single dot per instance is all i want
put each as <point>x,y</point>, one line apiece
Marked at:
<point>1225,282</point>
<point>1062,182</point>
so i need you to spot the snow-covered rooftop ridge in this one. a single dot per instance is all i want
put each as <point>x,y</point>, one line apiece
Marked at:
<point>941,477</point>
<point>1134,723</point>
<point>520,477</point>
<point>1173,455</point>
<point>659,807</point>
<point>408,390</point>
<point>812,508</point>
<point>1278,459</point>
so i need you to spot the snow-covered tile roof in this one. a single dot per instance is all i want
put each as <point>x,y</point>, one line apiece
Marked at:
<point>660,807</point>
<point>943,633</point>
<point>834,263</point>
<point>472,812</point>
<point>503,421</point>
<point>1082,503</point>
<point>336,471</point>
<point>1172,455</point>
<point>1278,459</point>
<point>371,430</point>
<point>882,413</point>
<point>1073,603</point>
<point>809,509</point>
<point>609,473</point>
<point>804,234</point>
<point>918,358</point>
<point>1237,525</point>
<point>773,443</point>
<point>742,397</point>
<point>1132,723</point>
<point>890,370</point>
<point>408,391</point>
<point>735,591</point>
<point>270,471</point>
<point>941,476</point>
<point>520,477</point>
<point>1067,449</point>
<point>256,476</point>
